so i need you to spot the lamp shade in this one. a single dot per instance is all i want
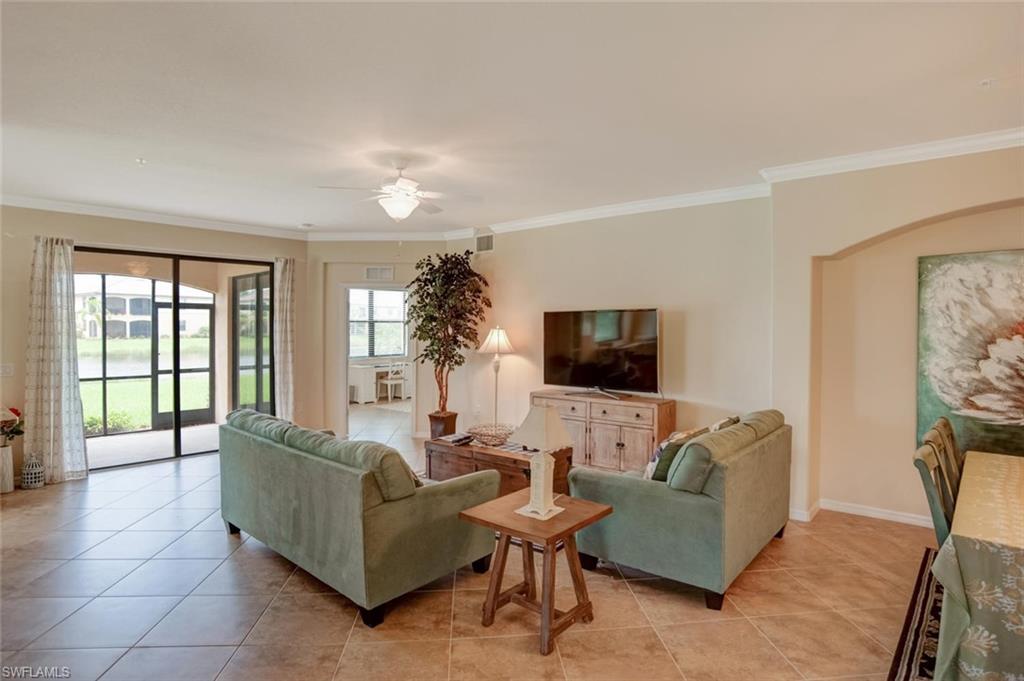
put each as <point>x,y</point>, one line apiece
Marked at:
<point>543,430</point>
<point>398,206</point>
<point>496,343</point>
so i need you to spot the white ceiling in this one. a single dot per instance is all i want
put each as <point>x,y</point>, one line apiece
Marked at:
<point>241,110</point>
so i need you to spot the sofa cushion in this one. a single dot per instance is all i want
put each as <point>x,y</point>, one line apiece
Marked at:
<point>693,464</point>
<point>257,423</point>
<point>393,475</point>
<point>764,422</point>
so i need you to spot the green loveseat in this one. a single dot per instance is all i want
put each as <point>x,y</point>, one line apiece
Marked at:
<point>726,495</point>
<point>352,514</point>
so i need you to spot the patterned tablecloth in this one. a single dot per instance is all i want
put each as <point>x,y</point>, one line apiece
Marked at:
<point>981,568</point>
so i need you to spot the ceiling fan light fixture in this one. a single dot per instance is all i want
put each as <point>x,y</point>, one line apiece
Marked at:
<point>398,206</point>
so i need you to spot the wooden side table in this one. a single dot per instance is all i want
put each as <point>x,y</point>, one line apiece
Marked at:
<point>499,514</point>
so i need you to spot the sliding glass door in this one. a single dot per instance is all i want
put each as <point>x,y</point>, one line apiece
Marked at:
<point>167,346</point>
<point>252,364</point>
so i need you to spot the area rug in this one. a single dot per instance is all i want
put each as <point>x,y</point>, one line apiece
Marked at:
<point>915,653</point>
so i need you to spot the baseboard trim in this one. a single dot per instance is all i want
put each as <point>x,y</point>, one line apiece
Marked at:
<point>802,515</point>
<point>873,512</point>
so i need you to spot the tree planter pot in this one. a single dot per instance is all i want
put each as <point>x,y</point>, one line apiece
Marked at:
<point>442,423</point>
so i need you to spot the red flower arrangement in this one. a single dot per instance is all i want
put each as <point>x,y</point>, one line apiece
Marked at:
<point>11,428</point>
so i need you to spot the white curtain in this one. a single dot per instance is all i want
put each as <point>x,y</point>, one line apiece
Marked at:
<point>54,430</point>
<point>284,336</point>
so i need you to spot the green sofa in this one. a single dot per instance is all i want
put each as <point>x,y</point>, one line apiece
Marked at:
<point>726,495</point>
<point>352,514</point>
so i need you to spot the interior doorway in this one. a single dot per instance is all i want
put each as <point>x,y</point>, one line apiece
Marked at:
<point>380,372</point>
<point>157,335</point>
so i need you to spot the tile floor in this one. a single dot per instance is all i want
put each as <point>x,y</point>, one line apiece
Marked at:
<point>390,424</point>
<point>130,575</point>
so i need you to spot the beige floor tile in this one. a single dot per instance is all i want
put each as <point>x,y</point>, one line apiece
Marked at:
<point>668,602</point>
<point>79,578</point>
<point>208,621</point>
<point>213,523</point>
<point>104,520</point>
<point>725,651</point>
<point>418,616</point>
<point>882,624</point>
<point>772,592</point>
<point>824,644</point>
<point>57,545</point>
<point>247,576</point>
<point>869,547</point>
<point>170,664</point>
<point>202,545</point>
<point>17,573</point>
<point>615,655</point>
<point>312,619</point>
<point>510,620</point>
<point>301,582</point>
<point>849,586</point>
<point>197,499</point>
<point>614,605</point>
<point>802,551</point>
<point>182,519</point>
<point>107,623</point>
<point>83,664</point>
<point>901,573</point>
<point>509,658</point>
<point>254,548</point>
<point>762,561</point>
<point>23,619</point>
<point>445,583</point>
<point>629,572</point>
<point>394,661</point>
<point>282,663</point>
<point>164,578</point>
<point>144,498</point>
<point>132,545</point>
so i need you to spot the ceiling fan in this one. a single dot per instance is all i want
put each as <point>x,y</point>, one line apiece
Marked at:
<point>398,196</point>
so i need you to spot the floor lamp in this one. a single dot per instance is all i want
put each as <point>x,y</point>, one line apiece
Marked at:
<point>496,343</point>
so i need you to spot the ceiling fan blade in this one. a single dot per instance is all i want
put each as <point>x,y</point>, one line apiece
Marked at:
<point>351,189</point>
<point>432,195</point>
<point>375,197</point>
<point>429,208</point>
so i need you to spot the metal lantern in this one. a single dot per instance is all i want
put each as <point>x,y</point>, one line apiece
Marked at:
<point>32,475</point>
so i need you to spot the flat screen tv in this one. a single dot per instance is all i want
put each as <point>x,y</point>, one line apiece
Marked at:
<point>604,349</point>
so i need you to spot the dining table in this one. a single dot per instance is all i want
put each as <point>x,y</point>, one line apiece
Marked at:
<point>981,569</point>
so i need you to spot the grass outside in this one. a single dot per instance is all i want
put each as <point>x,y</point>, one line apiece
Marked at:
<point>129,401</point>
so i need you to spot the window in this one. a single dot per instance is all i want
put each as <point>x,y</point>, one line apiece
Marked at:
<point>115,305</point>
<point>376,323</point>
<point>140,307</point>
<point>141,328</point>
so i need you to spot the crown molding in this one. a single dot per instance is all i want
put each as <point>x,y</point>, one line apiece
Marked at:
<point>146,216</point>
<point>911,153</point>
<point>375,236</point>
<point>456,234</point>
<point>749,191</point>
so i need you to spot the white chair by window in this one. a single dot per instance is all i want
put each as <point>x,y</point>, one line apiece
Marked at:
<point>395,377</point>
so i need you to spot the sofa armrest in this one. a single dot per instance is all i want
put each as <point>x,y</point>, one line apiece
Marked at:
<point>652,527</point>
<point>415,540</point>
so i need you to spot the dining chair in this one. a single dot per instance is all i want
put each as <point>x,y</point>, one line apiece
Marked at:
<point>945,428</point>
<point>940,500</point>
<point>947,461</point>
<point>396,376</point>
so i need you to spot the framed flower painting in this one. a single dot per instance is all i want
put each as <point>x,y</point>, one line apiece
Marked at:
<point>970,348</point>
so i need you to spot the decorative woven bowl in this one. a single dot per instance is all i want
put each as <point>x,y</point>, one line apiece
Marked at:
<point>491,434</point>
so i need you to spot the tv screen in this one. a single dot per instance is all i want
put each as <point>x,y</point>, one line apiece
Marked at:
<point>610,349</point>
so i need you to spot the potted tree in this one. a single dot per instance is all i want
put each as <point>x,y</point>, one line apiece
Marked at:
<point>448,299</point>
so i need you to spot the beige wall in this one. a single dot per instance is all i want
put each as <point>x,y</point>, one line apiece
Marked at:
<point>825,215</point>
<point>869,358</point>
<point>705,267</point>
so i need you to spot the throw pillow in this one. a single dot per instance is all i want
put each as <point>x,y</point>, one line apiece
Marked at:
<point>667,452</point>
<point>724,423</point>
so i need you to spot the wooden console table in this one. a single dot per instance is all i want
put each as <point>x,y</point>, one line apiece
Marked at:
<point>445,461</point>
<point>499,514</point>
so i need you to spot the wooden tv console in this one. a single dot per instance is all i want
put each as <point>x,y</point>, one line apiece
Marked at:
<point>614,434</point>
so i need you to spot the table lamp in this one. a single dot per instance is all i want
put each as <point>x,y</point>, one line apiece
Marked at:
<point>542,432</point>
<point>496,343</point>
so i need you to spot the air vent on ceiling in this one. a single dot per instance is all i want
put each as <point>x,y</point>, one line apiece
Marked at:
<point>380,273</point>
<point>484,243</point>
